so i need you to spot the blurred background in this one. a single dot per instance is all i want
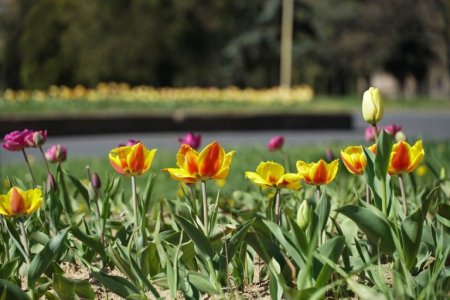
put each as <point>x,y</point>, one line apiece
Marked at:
<point>338,47</point>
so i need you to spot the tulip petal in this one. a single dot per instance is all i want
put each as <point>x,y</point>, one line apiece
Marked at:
<point>256,178</point>
<point>417,156</point>
<point>400,158</point>
<point>187,158</point>
<point>318,173</point>
<point>33,200</point>
<point>136,159</point>
<point>181,175</point>
<point>210,160</point>
<point>270,171</point>
<point>223,173</point>
<point>289,181</point>
<point>5,206</point>
<point>332,170</point>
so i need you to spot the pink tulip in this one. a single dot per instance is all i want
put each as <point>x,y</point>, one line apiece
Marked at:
<point>393,129</point>
<point>369,134</point>
<point>192,140</point>
<point>36,138</point>
<point>329,155</point>
<point>131,142</point>
<point>56,153</point>
<point>275,143</point>
<point>15,141</point>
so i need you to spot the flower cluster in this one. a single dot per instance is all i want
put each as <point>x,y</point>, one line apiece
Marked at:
<point>123,92</point>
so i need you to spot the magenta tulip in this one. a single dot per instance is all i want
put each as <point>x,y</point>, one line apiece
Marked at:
<point>275,143</point>
<point>192,140</point>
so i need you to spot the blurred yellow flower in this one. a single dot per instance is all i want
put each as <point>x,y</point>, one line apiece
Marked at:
<point>18,202</point>
<point>272,174</point>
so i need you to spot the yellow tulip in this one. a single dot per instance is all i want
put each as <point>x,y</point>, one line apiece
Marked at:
<point>211,163</point>
<point>131,160</point>
<point>372,106</point>
<point>272,174</point>
<point>18,202</point>
<point>404,158</point>
<point>354,158</point>
<point>318,173</point>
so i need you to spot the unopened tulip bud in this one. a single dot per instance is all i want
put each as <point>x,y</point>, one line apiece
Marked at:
<point>275,143</point>
<point>400,136</point>
<point>329,154</point>
<point>372,106</point>
<point>95,181</point>
<point>51,185</point>
<point>303,215</point>
<point>443,173</point>
<point>36,138</point>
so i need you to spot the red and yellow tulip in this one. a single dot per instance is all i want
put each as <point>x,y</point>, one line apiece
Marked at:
<point>272,174</point>
<point>211,163</point>
<point>354,158</point>
<point>318,173</point>
<point>131,160</point>
<point>18,202</point>
<point>404,158</point>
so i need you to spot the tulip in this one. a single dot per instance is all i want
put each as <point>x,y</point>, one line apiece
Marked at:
<point>51,185</point>
<point>210,163</point>
<point>95,181</point>
<point>18,202</point>
<point>404,158</point>
<point>318,173</point>
<point>303,215</point>
<point>192,140</point>
<point>56,154</point>
<point>329,154</point>
<point>369,133</point>
<point>36,138</point>
<point>275,143</point>
<point>372,106</point>
<point>131,160</point>
<point>392,129</point>
<point>131,142</point>
<point>354,158</point>
<point>272,174</point>
<point>15,141</point>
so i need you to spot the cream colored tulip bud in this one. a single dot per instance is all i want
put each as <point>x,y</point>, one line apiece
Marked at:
<point>400,136</point>
<point>303,215</point>
<point>372,106</point>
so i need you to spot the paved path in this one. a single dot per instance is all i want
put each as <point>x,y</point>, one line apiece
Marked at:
<point>426,125</point>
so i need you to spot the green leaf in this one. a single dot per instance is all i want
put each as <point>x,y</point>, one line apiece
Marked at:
<point>8,269</point>
<point>201,242</point>
<point>229,248</point>
<point>43,259</point>
<point>285,241</point>
<point>373,224</point>
<point>68,288</point>
<point>332,249</point>
<point>384,148</point>
<point>116,284</point>
<point>323,212</point>
<point>65,194</point>
<point>9,290</point>
<point>364,292</point>
<point>201,282</point>
<point>80,188</point>
<point>265,248</point>
<point>14,235</point>
<point>90,241</point>
<point>412,228</point>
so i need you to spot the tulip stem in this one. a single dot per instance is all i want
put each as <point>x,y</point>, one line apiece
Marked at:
<point>318,193</point>
<point>287,164</point>
<point>45,159</point>
<point>368,194</point>
<point>29,168</point>
<point>375,132</point>
<point>192,194</point>
<point>134,200</point>
<point>402,191</point>
<point>205,208</point>
<point>277,207</point>
<point>24,240</point>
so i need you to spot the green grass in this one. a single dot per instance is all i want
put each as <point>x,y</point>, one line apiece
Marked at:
<point>319,104</point>
<point>245,159</point>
